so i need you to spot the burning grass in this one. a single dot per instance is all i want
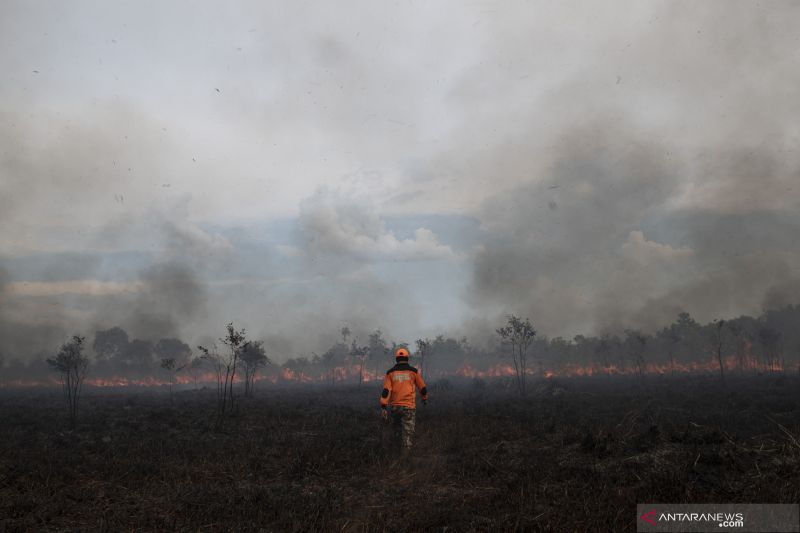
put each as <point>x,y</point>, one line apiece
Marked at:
<point>575,455</point>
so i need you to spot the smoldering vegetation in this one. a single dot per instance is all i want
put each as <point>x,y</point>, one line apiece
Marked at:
<point>576,455</point>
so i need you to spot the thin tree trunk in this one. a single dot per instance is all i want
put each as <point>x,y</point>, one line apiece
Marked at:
<point>233,376</point>
<point>514,356</point>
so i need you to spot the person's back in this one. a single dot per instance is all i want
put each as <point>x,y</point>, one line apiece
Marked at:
<point>399,397</point>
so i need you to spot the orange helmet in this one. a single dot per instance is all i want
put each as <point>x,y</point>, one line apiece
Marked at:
<point>401,352</point>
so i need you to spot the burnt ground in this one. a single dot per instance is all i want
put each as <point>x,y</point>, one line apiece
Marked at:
<point>574,455</point>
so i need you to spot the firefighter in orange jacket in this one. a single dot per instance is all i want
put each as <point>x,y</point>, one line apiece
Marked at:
<point>399,397</point>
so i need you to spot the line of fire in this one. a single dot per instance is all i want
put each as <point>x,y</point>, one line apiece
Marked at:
<point>769,344</point>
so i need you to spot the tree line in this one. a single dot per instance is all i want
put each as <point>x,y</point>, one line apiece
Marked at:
<point>763,344</point>
<point>769,343</point>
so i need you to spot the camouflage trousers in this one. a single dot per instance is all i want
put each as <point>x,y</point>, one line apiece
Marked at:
<point>404,423</point>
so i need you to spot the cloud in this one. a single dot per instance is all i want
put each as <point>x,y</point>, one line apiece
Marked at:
<point>186,241</point>
<point>333,226</point>
<point>648,253</point>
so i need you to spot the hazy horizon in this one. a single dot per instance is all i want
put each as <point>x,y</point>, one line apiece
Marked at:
<point>414,168</point>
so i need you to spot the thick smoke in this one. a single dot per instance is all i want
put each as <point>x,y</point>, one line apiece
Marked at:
<point>623,169</point>
<point>655,179</point>
<point>171,297</point>
<point>335,245</point>
<point>599,245</point>
<point>27,326</point>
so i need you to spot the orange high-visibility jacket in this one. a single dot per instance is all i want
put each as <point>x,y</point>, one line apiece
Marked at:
<point>400,387</point>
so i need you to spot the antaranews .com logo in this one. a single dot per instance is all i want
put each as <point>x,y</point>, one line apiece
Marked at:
<point>754,518</point>
<point>724,519</point>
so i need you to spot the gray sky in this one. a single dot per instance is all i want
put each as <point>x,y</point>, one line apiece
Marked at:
<point>413,166</point>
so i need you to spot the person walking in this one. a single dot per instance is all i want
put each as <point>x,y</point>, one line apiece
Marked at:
<point>399,398</point>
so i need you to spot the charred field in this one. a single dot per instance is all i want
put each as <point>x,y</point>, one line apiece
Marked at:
<point>573,455</point>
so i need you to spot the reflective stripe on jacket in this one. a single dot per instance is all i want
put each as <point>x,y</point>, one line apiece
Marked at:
<point>400,386</point>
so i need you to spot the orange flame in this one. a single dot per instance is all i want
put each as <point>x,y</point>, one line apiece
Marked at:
<point>354,372</point>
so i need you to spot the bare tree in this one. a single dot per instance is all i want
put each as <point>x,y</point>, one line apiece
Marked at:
<point>233,340</point>
<point>253,358</point>
<point>217,363</point>
<point>225,366</point>
<point>345,331</point>
<point>174,356</point>
<point>72,365</point>
<point>519,334</point>
<point>168,364</point>
<point>423,348</point>
<point>717,342</point>
<point>674,338</point>
<point>360,352</point>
